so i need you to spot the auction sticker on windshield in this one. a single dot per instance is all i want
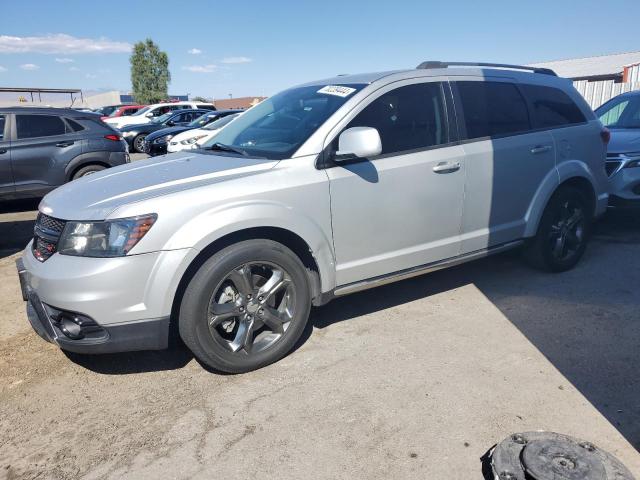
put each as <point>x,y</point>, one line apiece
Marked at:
<point>337,90</point>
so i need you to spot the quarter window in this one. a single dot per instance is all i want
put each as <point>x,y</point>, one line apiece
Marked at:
<point>493,109</point>
<point>552,107</point>
<point>31,126</point>
<point>407,118</point>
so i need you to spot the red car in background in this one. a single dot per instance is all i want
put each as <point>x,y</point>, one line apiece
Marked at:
<point>124,111</point>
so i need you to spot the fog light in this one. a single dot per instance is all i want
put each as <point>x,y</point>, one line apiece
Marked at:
<point>71,326</point>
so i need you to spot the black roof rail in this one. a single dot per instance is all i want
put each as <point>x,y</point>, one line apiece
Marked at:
<point>436,64</point>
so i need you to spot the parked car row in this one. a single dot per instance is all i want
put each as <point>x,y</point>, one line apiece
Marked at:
<point>157,142</point>
<point>144,115</point>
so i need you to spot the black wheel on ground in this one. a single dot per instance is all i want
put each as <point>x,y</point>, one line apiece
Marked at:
<point>563,232</point>
<point>246,306</point>
<point>138,143</point>
<point>87,170</point>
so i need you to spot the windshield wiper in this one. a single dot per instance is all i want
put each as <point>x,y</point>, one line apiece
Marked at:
<point>227,148</point>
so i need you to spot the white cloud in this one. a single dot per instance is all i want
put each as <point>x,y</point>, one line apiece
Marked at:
<point>90,75</point>
<point>29,66</point>
<point>2,69</point>
<point>200,68</point>
<point>236,60</point>
<point>64,60</point>
<point>194,51</point>
<point>60,43</point>
<point>74,69</point>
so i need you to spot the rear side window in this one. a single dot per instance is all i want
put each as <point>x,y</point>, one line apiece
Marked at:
<point>73,126</point>
<point>552,107</point>
<point>407,118</point>
<point>493,109</point>
<point>32,126</point>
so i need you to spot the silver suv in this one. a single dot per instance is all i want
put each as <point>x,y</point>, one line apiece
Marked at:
<point>322,190</point>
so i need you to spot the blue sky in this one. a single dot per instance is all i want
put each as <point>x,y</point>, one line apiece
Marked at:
<point>258,48</point>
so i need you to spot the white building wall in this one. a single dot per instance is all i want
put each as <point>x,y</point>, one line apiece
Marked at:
<point>597,93</point>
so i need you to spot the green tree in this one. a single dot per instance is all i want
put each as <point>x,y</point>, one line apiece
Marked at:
<point>150,75</point>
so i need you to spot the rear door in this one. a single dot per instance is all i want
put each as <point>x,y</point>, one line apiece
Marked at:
<point>43,145</point>
<point>6,174</point>
<point>506,160</point>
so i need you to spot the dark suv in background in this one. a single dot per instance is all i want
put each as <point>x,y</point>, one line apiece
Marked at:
<point>43,148</point>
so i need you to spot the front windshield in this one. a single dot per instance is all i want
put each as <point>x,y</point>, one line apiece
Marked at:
<point>142,111</point>
<point>201,120</point>
<point>221,122</point>
<point>163,118</point>
<point>622,112</point>
<point>279,125</point>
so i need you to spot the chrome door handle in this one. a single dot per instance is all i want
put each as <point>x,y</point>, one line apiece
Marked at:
<point>540,149</point>
<point>447,167</point>
<point>64,144</point>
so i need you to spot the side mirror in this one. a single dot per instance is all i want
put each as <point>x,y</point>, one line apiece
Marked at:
<point>148,114</point>
<point>359,142</point>
<point>171,123</point>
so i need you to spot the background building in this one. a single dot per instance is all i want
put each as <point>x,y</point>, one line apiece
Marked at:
<point>239,103</point>
<point>600,78</point>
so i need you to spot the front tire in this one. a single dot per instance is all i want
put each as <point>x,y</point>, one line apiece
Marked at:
<point>246,306</point>
<point>138,143</point>
<point>563,232</point>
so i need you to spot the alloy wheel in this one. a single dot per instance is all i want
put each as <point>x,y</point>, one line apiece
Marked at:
<point>251,308</point>
<point>567,233</point>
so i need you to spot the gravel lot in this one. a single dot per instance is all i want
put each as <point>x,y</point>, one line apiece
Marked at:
<point>412,380</point>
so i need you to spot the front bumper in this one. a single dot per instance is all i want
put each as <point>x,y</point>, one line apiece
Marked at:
<point>624,188</point>
<point>120,306</point>
<point>154,149</point>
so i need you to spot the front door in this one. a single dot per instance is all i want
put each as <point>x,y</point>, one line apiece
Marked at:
<point>403,208</point>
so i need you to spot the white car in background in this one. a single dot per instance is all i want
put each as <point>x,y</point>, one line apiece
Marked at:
<point>145,114</point>
<point>196,137</point>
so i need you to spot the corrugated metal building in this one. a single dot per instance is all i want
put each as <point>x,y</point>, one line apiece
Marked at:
<point>600,78</point>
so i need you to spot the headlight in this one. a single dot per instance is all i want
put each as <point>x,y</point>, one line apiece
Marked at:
<point>164,139</point>
<point>192,140</point>
<point>110,238</point>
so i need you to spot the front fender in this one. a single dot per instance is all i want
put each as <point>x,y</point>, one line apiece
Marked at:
<point>211,225</point>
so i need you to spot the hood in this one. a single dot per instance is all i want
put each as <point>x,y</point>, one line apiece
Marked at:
<point>95,196</point>
<point>624,140</point>
<point>147,127</point>
<point>168,131</point>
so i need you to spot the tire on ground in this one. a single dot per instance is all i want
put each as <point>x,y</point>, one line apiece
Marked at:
<point>193,316</point>
<point>539,251</point>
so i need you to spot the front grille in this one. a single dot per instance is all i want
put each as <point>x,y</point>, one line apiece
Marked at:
<point>46,234</point>
<point>612,166</point>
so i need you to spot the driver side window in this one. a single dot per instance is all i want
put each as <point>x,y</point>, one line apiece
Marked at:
<point>407,118</point>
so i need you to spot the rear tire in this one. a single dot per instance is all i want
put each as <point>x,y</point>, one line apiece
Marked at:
<point>87,170</point>
<point>563,232</point>
<point>246,306</point>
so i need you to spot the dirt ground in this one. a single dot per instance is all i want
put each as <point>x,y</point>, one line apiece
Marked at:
<point>412,380</point>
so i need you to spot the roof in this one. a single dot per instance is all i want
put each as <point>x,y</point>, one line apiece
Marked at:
<point>54,110</point>
<point>592,66</point>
